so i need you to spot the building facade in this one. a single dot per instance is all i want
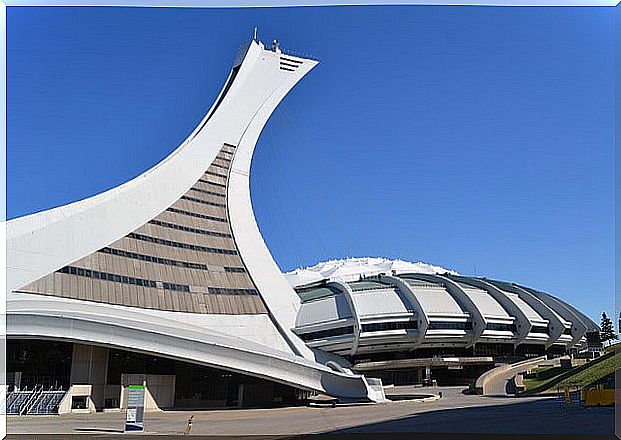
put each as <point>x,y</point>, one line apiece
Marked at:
<point>407,322</point>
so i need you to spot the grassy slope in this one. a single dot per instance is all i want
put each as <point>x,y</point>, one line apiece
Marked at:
<point>582,376</point>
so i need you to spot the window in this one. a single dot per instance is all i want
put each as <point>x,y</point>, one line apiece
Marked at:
<point>234,269</point>
<point>151,259</point>
<point>327,333</point>
<point>500,327</point>
<point>180,245</point>
<point>78,402</point>
<point>450,326</point>
<point>211,173</point>
<point>209,182</point>
<point>194,214</point>
<point>382,326</point>
<point>539,329</point>
<point>107,276</point>
<point>204,191</point>
<point>201,201</point>
<point>224,291</point>
<point>189,229</point>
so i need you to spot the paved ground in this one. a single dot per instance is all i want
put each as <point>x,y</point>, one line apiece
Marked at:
<point>455,412</point>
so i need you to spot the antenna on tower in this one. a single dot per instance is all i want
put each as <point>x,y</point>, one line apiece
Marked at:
<point>255,34</point>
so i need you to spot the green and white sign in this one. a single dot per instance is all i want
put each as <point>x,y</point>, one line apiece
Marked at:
<point>134,418</point>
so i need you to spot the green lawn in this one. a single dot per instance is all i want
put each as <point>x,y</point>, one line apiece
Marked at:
<point>582,376</point>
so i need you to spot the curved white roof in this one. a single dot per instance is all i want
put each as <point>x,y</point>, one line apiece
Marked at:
<point>351,269</point>
<point>378,302</point>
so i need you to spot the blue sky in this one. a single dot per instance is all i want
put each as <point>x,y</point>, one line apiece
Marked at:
<point>476,138</point>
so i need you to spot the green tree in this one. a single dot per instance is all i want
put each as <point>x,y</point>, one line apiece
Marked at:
<point>607,330</point>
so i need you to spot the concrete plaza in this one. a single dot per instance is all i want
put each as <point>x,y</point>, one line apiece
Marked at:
<point>454,412</point>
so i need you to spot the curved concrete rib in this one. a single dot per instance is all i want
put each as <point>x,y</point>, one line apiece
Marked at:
<point>478,321</point>
<point>578,327</point>
<point>523,325</point>
<point>423,319</point>
<point>555,326</point>
<point>344,287</point>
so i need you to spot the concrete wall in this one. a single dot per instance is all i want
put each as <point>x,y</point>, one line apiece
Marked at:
<point>89,366</point>
<point>160,390</point>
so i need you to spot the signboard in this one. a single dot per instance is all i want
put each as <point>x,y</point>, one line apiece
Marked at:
<point>134,418</point>
<point>593,340</point>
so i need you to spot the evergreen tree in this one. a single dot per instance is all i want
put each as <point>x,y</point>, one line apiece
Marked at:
<point>608,331</point>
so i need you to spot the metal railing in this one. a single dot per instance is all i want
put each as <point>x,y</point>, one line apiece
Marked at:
<point>33,402</point>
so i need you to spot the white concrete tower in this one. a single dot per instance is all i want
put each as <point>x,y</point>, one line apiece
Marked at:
<point>172,263</point>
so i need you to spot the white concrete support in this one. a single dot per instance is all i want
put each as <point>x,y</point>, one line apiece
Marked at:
<point>478,321</point>
<point>555,326</point>
<point>578,327</point>
<point>89,366</point>
<point>344,287</point>
<point>523,324</point>
<point>421,317</point>
<point>257,76</point>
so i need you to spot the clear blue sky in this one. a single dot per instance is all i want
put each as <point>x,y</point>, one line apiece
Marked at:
<point>476,138</point>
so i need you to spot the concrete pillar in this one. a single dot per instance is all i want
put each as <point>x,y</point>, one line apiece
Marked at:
<point>240,395</point>
<point>89,366</point>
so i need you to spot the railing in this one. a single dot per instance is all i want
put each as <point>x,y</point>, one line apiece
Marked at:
<point>46,403</point>
<point>15,400</point>
<point>30,401</point>
<point>35,401</point>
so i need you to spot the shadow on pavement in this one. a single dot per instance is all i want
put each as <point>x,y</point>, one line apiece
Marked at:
<point>533,417</point>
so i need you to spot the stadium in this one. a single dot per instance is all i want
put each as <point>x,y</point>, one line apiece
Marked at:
<point>167,280</point>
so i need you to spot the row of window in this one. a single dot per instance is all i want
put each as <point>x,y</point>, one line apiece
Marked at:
<point>327,333</point>
<point>211,193</point>
<point>539,329</point>
<point>197,215</point>
<point>223,158</point>
<point>203,202</point>
<point>234,269</point>
<point>72,270</point>
<point>177,244</point>
<point>213,173</point>
<point>209,182</point>
<point>226,152</point>
<point>217,165</point>
<point>223,291</point>
<point>173,286</point>
<point>500,327</point>
<point>189,229</point>
<point>151,259</point>
<point>450,326</point>
<point>382,326</point>
<point>107,276</point>
<point>166,261</point>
